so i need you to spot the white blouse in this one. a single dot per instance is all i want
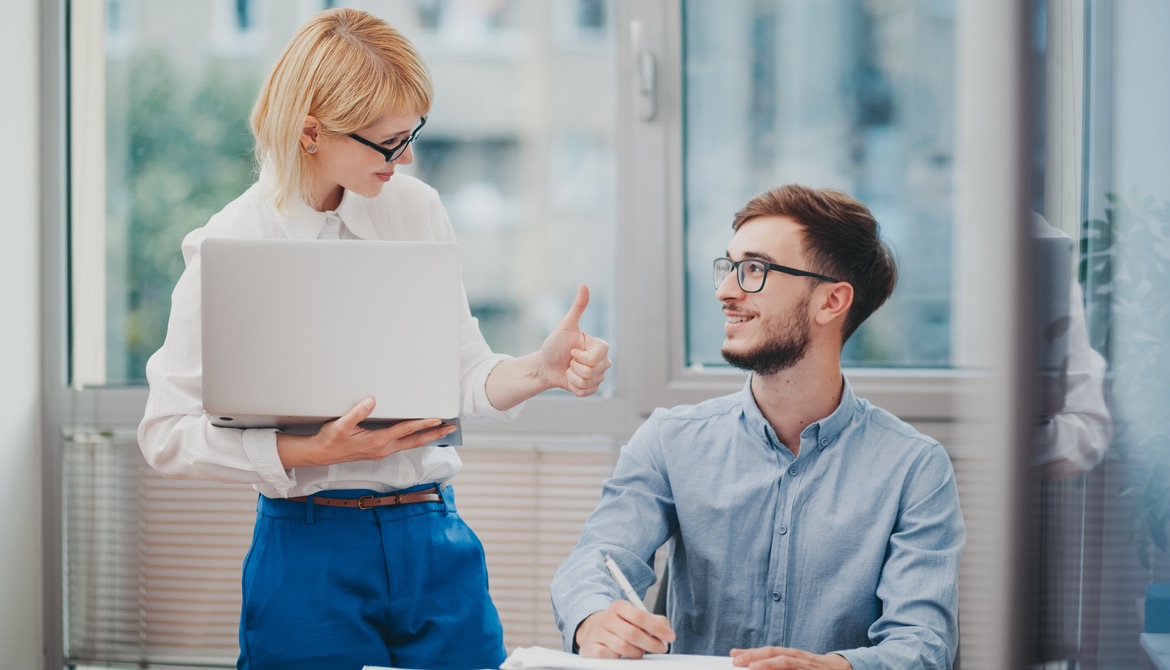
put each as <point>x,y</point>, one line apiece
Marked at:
<point>176,436</point>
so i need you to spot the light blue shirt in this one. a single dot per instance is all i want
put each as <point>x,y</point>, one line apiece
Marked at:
<point>853,547</point>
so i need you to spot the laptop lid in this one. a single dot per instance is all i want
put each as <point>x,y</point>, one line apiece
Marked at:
<point>296,332</point>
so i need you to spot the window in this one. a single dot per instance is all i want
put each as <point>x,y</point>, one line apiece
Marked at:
<point>119,30</point>
<point>856,96</point>
<point>581,23</point>
<point>523,160</point>
<point>1103,181</point>
<point>464,21</point>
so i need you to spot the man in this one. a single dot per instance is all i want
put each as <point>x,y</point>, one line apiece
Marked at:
<point>805,527</point>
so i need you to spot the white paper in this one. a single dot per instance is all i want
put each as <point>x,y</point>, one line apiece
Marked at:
<point>540,658</point>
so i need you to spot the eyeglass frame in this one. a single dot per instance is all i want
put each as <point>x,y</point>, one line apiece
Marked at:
<point>397,150</point>
<point>737,265</point>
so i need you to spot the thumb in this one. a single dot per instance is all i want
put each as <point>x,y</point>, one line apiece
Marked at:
<point>359,413</point>
<point>577,309</point>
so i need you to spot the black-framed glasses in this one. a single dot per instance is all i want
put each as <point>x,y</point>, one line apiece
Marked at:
<point>390,153</point>
<point>752,272</point>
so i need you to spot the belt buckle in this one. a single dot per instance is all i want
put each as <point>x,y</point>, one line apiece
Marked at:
<point>361,502</point>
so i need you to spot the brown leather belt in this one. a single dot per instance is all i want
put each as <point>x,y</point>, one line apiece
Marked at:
<point>366,502</point>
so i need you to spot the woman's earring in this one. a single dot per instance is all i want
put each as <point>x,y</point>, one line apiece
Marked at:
<point>312,148</point>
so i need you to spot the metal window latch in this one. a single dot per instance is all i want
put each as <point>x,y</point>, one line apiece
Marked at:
<point>645,73</point>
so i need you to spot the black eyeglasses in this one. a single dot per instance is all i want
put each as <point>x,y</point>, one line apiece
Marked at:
<point>752,272</point>
<point>395,151</point>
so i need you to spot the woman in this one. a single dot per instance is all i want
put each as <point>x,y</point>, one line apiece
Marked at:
<point>401,579</point>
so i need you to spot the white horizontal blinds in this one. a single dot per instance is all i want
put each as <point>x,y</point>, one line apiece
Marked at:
<point>980,529</point>
<point>527,500</point>
<point>102,537</point>
<point>152,565</point>
<point>196,536</point>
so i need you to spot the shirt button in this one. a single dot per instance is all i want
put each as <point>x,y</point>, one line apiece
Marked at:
<point>776,596</point>
<point>825,442</point>
<point>405,477</point>
<point>782,530</point>
<point>792,471</point>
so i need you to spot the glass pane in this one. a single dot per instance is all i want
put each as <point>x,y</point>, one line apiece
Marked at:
<point>519,145</point>
<point>1103,500</point>
<point>853,95</point>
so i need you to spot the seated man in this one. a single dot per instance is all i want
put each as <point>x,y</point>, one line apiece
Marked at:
<point>805,525</point>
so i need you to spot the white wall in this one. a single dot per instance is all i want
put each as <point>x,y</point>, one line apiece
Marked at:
<point>20,463</point>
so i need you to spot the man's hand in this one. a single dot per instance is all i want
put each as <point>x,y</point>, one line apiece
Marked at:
<point>623,631</point>
<point>783,658</point>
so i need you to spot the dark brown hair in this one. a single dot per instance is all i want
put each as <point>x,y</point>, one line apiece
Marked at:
<point>842,240</point>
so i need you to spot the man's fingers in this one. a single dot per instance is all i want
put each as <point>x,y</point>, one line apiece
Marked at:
<point>770,658</point>
<point>748,655</point>
<point>650,632</point>
<point>623,640</point>
<point>624,631</point>
<point>598,650</point>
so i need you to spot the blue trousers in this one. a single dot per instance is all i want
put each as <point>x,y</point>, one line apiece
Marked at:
<point>335,588</point>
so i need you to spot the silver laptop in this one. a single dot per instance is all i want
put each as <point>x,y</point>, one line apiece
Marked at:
<point>296,332</point>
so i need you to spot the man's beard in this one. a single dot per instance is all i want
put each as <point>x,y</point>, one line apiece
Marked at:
<point>787,343</point>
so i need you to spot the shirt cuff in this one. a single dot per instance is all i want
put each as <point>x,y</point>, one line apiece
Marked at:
<point>872,658</point>
<point>578,613</point>
<point>480,409</point>
<point>858,661</point>
<point>260,446</point>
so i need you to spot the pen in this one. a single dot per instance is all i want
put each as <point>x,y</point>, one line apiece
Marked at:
<point>624,583</point>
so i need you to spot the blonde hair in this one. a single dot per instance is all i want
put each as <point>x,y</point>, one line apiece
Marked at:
<point>345,67</point>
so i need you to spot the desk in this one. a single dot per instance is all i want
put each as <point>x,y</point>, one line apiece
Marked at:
<point>1157,646</point>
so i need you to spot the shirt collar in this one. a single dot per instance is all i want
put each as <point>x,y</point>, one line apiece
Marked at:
<point>826,430</point>
<point>305,223</point>
<point>354,212</point>
<point>823,432</point>
<point>753,418</point>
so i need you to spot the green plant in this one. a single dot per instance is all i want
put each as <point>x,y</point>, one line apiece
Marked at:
<point>187,154</point>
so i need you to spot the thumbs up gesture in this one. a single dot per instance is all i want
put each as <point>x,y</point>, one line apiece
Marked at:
<point>572,359</point>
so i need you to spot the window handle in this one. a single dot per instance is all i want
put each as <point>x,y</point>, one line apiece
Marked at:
<point>645,73</point>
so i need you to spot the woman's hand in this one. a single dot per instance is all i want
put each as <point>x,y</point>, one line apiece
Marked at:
<point>343,440</point>
<point>570,358</point>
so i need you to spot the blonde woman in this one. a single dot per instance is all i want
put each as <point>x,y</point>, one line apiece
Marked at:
<point>326,584</point>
